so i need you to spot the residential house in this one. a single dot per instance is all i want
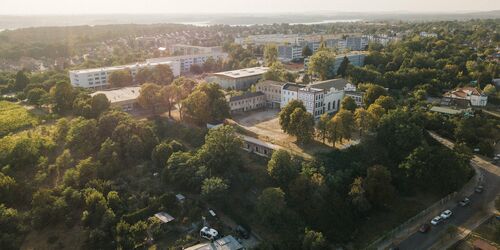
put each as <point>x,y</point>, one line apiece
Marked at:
<point>474,95</point>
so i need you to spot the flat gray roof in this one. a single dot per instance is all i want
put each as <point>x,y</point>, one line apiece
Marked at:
<point>240,73</point>
<point>121,94</point>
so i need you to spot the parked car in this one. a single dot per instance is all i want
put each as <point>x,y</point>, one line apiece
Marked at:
<point>242,232</point>
<point>446,214</point>
<point>436,220</point>
<point>209,233</point>
<point>464,202</point>
<point>479,189</point>
<point>424,228</point>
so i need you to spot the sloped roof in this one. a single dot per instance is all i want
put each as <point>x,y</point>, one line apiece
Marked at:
<point>338,84</point>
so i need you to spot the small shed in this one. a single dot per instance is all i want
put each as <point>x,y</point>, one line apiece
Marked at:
<point>164,217</point>
<point>180,198</point>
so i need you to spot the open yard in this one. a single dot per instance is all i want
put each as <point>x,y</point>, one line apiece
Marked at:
<point>264,125</point>
<point>14,117</point>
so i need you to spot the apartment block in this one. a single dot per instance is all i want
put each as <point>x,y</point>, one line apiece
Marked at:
<point>97,78</point>
<point>240,79</point>
<point>185,61</point>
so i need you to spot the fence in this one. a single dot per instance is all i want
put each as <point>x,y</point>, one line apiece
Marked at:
<point>407,225</point>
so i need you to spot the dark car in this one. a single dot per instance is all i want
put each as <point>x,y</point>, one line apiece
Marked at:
<point>242,232</point>
<point>464,202</point>
<point>424,228</point>
<point>479,189</point>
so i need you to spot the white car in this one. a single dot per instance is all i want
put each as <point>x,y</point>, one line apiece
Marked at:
<point>209,233</point>
<point>446,214</point>
<point>436,220</point>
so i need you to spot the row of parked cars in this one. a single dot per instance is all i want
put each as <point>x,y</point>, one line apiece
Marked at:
<point>447,213</point>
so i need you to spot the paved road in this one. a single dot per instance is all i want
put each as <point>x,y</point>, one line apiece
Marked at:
<point>462,217</point>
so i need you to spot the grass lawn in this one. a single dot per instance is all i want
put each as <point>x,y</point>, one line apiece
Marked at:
<point>14,117</point>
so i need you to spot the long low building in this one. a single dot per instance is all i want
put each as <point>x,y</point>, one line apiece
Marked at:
<point>97,78</point>
<point>246,102</point>
<point>240,79</point>
<point>122,98</point>
<point>186,61</point>
<point>258,147</point>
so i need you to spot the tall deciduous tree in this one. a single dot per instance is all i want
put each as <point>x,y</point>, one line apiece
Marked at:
<point>271,205</point>
<point>342,70</point>
<point>149,97</point>
<point>63,95</point>
<point>364,120</point>
<point>162,74</point>
<point>285,113</point>
<point>322,64</point>
<point>372,93</point>
<point>21,80</point>
<point>379,189</point>
<point>348,103</point>
<point>341,126</point>
<point>301,125</point>
<point>282,168</point>
<point>206,103</point>
<point>270,54</point>
<point>120,78</point>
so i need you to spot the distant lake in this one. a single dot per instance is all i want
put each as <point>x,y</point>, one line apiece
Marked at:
<point>210,23</point>
<point>330,21</point>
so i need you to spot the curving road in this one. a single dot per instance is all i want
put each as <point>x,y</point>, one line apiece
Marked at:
<point>465,218</point>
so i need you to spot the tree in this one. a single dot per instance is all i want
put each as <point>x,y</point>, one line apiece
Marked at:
<point>221,151</point>
<point>358,196</point>
<point>322,64</point>
<point>364,120</point>
<point>341,126</point>
<point>143,75</point>
<point>11,228</point>
<point>63,95</point>
<point>8,187</point>
<point>149,97</point>
<point>342,70</point>
<point>162,74</point>
<point>286,112</point>
<point>210,65</point>
<point>80,134</point>
<point>196,69</point>
<point>270,205</point>
<point>21,80</point>
<point>314,240</point>
<point>214,188</point>
<point>277,72</point>
<point>281,168</point>
<point>99,104</point>
<point>348,104</point>
<point>167,96</point>
<point>160,154</point>
<point>120,78</point>
<point>489,89</point>
<point>306,51</point>
<point>379,189</point>
<point>399,132</point>
<point>322,126</point>
<point>386,102</point>
<point>372,93</point>
<point>180,90</point>
<point>270,54</point>
<point>206,103</point>
<point>37,96</point>
<point>376,111</point>
<point>301,125</point>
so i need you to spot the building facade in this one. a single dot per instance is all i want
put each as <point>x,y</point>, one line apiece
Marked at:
<point>184,49</point>
<point>272,91</point>
<point>185,61</point>
<point>240,79</point>
<point>247,102</point>
<point>97,78</point>
<point>319,97</point>
<point>124,99</point>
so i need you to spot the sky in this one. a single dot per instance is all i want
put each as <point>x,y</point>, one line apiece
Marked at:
<point>70,7</point>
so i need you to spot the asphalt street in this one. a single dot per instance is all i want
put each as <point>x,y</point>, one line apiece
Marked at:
<point>480,203</point>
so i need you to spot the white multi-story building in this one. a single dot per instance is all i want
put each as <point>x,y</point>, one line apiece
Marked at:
<point>184,49</point>
<point>186,61</point>
<point>97,78</point>
<point>318,98</point>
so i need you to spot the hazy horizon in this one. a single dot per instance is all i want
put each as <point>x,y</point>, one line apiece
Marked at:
<point>127,7</point>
